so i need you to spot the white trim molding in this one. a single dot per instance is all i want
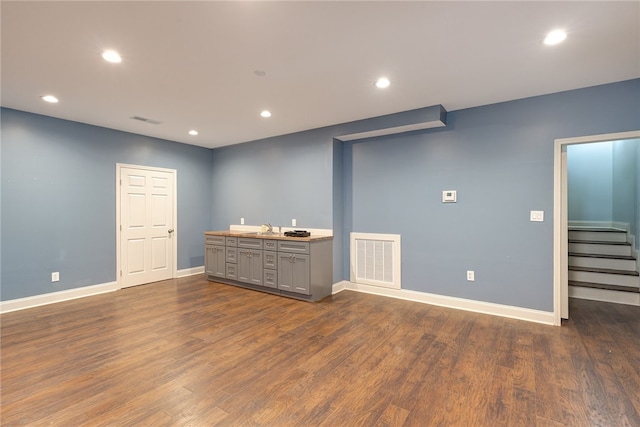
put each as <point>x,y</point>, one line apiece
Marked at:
<point>53,297</point>
<point>537,316</point>
<point>190,271</point>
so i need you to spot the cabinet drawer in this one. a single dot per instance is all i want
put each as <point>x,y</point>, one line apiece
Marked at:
<point>270,260</point>
<point>214,240</point>
<point>248,242</point>
<point>231,241</point>
<point>271,245</point>
<point>294,247</point>
<point>232,254</point>
<point>270,278</point>
<point>232,272</point>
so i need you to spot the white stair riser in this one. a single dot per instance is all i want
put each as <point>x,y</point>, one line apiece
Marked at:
<point>599,236</point>
<point>589,248</point>
<point>604,295</point>
<point>613,264</point>
<point>604,278</point>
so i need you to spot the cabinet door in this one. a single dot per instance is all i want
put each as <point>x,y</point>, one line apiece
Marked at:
<point>214,260</point>
<point>250,268</point>
<point>244,265</point>
<point>256,268</point>
<point>285,271</point>
<point>300,273</point>
<point>293,272</point>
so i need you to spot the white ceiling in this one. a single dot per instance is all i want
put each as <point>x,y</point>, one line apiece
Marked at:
<point>191,65</point>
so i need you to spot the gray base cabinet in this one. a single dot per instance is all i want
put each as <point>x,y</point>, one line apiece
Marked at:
<point>215,256</point>
<point>298,269</point>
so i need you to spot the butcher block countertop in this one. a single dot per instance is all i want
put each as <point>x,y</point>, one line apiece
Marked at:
<point>275,236</point>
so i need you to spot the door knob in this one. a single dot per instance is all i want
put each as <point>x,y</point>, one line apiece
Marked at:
<point>170,230</point>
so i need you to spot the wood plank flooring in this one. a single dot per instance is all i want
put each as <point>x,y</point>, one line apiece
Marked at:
<point>189,352</point>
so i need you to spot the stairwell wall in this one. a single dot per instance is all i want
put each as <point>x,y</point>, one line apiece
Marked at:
<point>625,185</point>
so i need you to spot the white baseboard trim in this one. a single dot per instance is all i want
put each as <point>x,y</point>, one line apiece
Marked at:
<point>537,316</point>
<point>604,295</point>
<point>53,297</point>
<point>190,271</point>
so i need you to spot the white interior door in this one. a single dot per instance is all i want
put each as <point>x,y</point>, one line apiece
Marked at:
<point>147,230</point>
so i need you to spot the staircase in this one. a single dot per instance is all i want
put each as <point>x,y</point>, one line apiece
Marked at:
<point>603,266</point>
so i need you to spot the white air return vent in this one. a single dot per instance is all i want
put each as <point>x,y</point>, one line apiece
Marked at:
<point>146,120</point>
<point>375,259</point>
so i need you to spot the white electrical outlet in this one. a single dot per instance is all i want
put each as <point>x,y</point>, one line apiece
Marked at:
<point>449,196</point>
<point>294,222</point>
<point>471,275</point>
<point>55,276</point>
<point>241,221</point>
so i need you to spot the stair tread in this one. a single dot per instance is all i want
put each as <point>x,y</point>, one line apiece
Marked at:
<point>586,255</point>
<point>599,242</point>
<point>598,229</point>
<point>634,289</point>
<point>604,270</point>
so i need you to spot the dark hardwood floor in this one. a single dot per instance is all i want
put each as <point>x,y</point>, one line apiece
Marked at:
<point>189,352</point>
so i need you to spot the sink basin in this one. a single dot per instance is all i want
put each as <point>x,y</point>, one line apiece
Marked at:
<point>269,233</point>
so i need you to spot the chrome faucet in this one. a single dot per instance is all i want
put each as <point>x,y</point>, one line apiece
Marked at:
<point>269,228</point>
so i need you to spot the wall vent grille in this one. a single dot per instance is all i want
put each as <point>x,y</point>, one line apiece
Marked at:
<point>375,259</point>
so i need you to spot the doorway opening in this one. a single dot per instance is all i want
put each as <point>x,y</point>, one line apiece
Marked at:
<point>561,220</point>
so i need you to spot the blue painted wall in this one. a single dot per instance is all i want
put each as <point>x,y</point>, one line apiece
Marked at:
<point>500,160</point>
<point>590,182</point>
<point>274,180</point>
<point>59,194</point>
<point>498,157</point>
<point>625,190</point>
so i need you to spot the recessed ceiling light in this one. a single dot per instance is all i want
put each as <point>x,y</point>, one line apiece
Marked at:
<point>193,132</point>
<point>111,56</point>
<point>383,82</point>
<point>259,73</point>
<point>50,98</point>
<point>555,37</point>
<point>266,113</point>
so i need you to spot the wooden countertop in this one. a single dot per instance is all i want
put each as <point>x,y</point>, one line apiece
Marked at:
<point>226,233</point>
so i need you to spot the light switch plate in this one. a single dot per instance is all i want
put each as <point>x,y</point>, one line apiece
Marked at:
<point>241,221</point>
<point>537,216</point>
<point>449,196</point>
<point>294,223</point>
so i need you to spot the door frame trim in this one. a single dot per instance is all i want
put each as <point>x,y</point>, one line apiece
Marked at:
<point>174,244</point>
<point>560,217</point>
